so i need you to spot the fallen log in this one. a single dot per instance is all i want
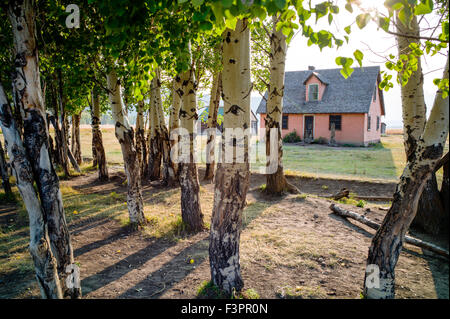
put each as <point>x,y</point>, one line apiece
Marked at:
<point>346,193</point>
<point>341,194</point>
<point>375,198</point>
<point>410,240</point>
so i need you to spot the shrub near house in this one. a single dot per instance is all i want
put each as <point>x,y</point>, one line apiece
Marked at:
<point>315,99</point>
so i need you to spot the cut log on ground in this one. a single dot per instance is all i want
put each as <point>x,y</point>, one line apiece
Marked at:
<point>341,194</point>
<point>375,198</point>
<point>410,240</point>
<point>344,192</point>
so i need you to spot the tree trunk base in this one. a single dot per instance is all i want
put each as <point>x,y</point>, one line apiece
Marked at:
<point>431,216</point>
<point>191,211</point>
<point>278,185</point>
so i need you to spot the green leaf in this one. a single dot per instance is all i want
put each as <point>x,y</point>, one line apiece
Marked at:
<point>197,3</point>
<point>346,63</point>
<point>348,7</point>
<point>394,4</point>
<point>280,4</point>
<point>259,12</point>
<point>321,9</point>
<point>286,31</point>
<point>303,14</point>
<point>346,72</point>
<point>330,18</point>
<point>206,26</point>
<point>424,7</point>
<point>227,3</point>
<point>383,23</point>
<point>405,15</point>
<point>362,20</point>
<point>348,29</point>
<point>358,56</point>
<point>231,23</point>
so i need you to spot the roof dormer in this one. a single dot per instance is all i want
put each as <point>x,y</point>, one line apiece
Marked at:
<point>315,86</point>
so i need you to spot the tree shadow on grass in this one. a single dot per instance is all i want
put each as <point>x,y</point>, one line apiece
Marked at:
<point>179,267</point>
<point>440,273</point>
<point>438,265</point>
<point>16,265</point>
<point>114,272</point>
<point>367,234</point>
<point>172,272</point>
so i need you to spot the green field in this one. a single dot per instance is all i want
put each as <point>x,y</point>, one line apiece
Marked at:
<point>384,161</point>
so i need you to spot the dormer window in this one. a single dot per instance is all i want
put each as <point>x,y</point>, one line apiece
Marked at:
<point>313,92</point>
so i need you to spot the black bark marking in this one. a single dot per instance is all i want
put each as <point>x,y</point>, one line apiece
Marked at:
<point>433,151</point>
<point>234,109</point>
<point>20,61</point>
<point>6,116</point>
<point>183,114</point>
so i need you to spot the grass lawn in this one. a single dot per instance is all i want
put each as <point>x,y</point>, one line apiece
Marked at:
<point>384,161</point>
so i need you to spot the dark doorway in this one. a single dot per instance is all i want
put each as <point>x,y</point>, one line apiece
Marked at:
<point>309,129</point>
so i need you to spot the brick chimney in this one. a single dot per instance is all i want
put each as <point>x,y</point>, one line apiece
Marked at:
<point>311,67</point>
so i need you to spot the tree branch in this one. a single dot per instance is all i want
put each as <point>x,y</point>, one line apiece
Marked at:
<point>415,37</point>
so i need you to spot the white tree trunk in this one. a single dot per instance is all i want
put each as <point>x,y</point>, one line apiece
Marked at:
<point>276,181</point>
<point>4,173</point>
<point>174,119</point>
<point>45,263</point>
<point>97,139</point>
<point>125,135</point>
<point>191,210</point>
<point>214,102</point>
<point>413,100</point>
<point>28,98</point>
<point>232,179</point>
<point>168,172</point>
<point>155,147</point>
<point>388,240</point>
<point>140,136</point>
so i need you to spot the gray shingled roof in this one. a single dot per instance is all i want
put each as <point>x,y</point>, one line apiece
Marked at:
<point>351,95</point>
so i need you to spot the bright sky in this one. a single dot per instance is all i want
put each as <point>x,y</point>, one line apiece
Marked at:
<point>300,56</point>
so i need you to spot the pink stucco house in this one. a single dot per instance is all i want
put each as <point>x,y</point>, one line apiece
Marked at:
<point>314,99</point>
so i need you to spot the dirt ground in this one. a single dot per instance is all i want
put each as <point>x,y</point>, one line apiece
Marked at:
<point>291,247</point>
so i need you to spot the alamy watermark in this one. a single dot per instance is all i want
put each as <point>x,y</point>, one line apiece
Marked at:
<point>73,19</point>
<point>233,145</point>
<point>372,276</point>
<point>73,277</point>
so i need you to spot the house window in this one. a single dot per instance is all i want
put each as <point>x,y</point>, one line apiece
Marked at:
<point>284,124</point>
<point>337,120</point>
<point>313,92</point>
<point>254,127</point>
<point>375,94</point>
<point>378,123</point>
<point>368,122</point>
